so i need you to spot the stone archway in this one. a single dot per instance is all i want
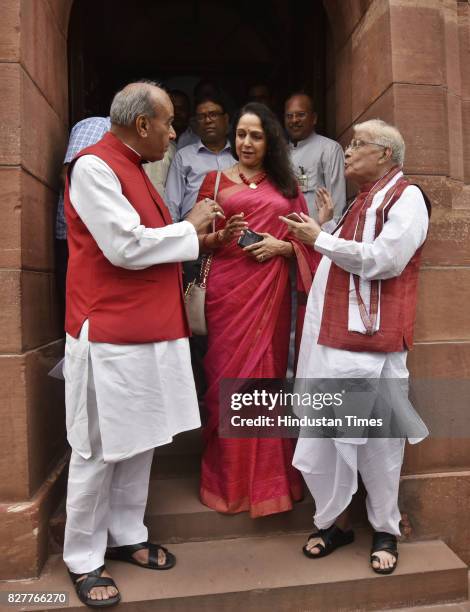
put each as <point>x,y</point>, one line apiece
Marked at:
<point>286,52</point>
<point>377,66</point>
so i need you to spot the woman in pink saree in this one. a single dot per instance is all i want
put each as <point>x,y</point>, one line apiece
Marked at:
<point>248,313</point>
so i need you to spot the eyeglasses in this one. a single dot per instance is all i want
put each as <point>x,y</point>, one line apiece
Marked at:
<point>211,115</point>
<point>299,115</point>
<point>356,143</point>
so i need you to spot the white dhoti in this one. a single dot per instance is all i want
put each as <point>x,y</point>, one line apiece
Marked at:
<point>334,482</point>
<point>330,466</point>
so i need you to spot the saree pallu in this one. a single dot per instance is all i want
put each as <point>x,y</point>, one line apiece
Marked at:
<point>248,319</point>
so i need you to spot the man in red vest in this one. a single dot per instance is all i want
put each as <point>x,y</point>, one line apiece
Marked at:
<point>129,383</point>
<point>359,325</point>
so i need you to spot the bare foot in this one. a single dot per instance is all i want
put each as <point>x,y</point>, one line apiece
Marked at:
<point>142,556</point>
<point>312,545</point>
<point>324,541</point>
<point>101,593</point>
<point>387,560</point>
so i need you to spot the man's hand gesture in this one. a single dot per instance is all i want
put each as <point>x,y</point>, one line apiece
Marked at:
<point>203,213</point>
<point>324,204</point>
<point>306,231</point>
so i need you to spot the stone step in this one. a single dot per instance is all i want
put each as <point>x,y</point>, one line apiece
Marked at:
<point>463,606</point>
<point>270,574</point>
<point>176,514</point>
<point>176,466</point>
<point>188,442</point>
<point>182,457</point>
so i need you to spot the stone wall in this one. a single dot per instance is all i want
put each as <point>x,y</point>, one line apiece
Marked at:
<point>406,61</point>
<point>33,118</point>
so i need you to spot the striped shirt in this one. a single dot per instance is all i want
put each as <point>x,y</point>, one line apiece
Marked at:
<point>83,134</point>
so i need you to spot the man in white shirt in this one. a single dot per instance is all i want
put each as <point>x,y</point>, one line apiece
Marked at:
<point>359,325</point>
<point>317,161</point>
<point>129,384</point>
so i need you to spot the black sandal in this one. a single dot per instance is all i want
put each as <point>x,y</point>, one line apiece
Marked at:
<point>333,537</point>
<point>387,542</point>
<point>124,553</point>
<point>94,579</point>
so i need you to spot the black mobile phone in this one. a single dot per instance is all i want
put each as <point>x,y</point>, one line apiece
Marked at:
<point>249,237</point>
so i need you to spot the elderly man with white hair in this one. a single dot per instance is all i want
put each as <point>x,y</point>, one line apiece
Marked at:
<point>128,379</point>
<point>359,324</point>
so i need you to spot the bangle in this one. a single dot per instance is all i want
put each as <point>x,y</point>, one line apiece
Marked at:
<point>212,241</point>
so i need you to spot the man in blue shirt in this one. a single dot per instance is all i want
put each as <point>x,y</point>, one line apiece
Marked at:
<point>187,171</point>
<point>83,134</point>
<point>193,162</point>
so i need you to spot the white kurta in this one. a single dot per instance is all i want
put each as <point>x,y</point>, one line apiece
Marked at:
<point>145,392</point>
<point>403,233</point>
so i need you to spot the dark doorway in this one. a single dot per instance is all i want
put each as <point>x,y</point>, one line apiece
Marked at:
<point>236,43</point>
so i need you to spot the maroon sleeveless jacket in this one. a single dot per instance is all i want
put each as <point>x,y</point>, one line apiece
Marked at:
<point>398,296</point>
<point>122,306</point>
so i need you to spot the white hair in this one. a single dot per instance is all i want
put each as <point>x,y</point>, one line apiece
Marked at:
<point>133,100</point>
<point>385,134</point>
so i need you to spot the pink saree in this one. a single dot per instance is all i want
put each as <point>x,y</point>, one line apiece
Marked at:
<point>248,318</point>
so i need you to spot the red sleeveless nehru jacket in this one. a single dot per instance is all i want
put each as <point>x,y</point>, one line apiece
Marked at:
<point>122,306</point>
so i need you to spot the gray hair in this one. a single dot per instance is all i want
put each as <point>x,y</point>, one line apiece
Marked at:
<point>387,135</point>
<point>133,100</point>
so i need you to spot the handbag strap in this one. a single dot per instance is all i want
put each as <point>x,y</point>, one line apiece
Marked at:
<point>216,191</point>
<point>207,259</point>
<point>217,182</point>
